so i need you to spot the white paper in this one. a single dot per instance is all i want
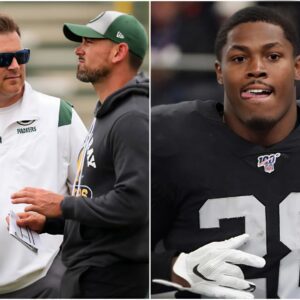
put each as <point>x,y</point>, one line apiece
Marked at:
<point>26,236</point>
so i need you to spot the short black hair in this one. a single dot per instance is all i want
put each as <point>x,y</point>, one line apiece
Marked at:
<point>134,61</point>
<point>256,14</point>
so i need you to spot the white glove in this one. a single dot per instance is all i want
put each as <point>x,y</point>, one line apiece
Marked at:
<point>211,270</point>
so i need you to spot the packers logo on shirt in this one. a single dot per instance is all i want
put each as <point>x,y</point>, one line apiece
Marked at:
<point>26,122</point>
<point>27,129</point>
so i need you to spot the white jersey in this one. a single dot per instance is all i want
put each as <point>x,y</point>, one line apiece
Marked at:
<point>39,148</point>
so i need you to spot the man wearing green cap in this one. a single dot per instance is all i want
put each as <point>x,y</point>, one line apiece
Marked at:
<point>105,222</point>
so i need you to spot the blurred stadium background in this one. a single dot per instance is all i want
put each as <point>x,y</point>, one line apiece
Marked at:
<point>52,67</point>
<point>182,46</point>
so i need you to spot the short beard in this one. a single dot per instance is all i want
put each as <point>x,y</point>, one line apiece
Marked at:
<point>261,124</point>
<point>92,76</point>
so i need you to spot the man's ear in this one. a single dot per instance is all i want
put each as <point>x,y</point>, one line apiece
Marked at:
<point>297,67</point>
<point>120,52</point>
<point>218,70</point>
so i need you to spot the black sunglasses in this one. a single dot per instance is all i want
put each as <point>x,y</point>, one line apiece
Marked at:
<point>21,56</point>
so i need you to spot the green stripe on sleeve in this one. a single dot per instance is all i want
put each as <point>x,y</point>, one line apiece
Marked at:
<point>65,113</point>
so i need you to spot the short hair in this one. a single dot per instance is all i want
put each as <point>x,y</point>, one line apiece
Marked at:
<point>256,14</point>
<point>134,61</point>
<point>8,25</point>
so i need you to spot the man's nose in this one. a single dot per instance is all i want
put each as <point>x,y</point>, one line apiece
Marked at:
<point>14,64</point>
<point>79,50</point>
<point>257,68</point>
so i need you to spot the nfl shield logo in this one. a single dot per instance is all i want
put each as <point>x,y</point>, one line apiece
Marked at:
<point>267,161</point>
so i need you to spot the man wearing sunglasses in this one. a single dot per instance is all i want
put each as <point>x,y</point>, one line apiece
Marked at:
<point>105,244</point>
<point>40,138</point>
<point>22,57</point>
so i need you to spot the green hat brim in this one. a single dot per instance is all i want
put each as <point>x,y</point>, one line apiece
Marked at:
<point>75,32</point>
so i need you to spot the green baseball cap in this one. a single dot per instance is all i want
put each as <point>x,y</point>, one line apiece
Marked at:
<point>116,26</point>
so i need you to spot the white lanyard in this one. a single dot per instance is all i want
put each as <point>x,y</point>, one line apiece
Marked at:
<point>82,160</point>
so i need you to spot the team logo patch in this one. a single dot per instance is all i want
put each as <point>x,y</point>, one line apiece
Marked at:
<point>26,130</point>
<point>84,191</point>
<point>120,35</point>
<point>268,161</point>
<point>26,122</point>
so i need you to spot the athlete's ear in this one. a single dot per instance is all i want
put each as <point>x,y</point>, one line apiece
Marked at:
<point>297,67</point>
<point>120,51</point>
<point>219,72</point>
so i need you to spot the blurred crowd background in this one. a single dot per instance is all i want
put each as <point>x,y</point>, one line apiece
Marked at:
<point>52,66</point>
<point>182,46</point>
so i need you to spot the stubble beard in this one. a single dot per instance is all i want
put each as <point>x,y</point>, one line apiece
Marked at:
<point>261,124</point>
<point>264,124</point>
<point>92,76</point>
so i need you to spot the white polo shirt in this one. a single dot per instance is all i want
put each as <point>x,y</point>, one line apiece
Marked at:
<point>39,146</point>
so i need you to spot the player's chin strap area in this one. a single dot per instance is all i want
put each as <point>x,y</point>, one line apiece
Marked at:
<point>211,270</point>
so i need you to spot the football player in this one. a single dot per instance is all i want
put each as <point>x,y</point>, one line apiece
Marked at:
<point>230,171</point>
